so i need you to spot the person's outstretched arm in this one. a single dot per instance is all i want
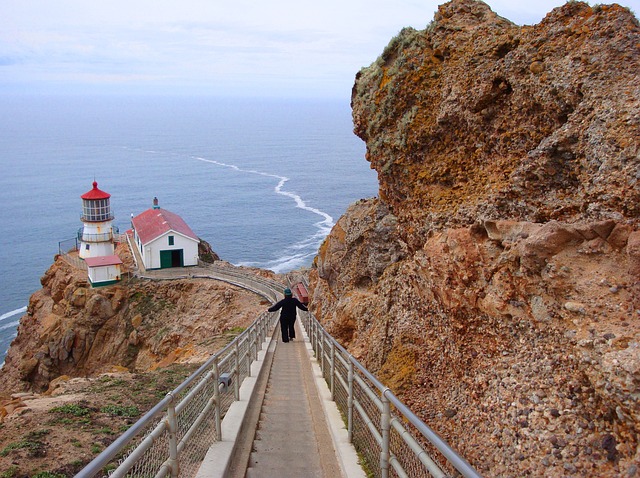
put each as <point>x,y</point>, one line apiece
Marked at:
<point>275,306</point>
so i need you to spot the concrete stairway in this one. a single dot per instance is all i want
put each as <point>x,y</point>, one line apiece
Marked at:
<point>292,438</point>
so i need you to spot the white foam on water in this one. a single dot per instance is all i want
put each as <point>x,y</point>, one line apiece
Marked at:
<point>298,253</point>
<point>12,313</point>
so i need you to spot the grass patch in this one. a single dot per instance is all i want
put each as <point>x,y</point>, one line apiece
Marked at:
<point>106,431</point>
<point>75,410</point>
<point>9,472</point>
<point>31,443</point>
<point>235,330</point>
<point>121,411</point>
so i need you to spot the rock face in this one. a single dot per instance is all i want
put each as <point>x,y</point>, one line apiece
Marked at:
<point>496,278</point>
<point>72,329</point>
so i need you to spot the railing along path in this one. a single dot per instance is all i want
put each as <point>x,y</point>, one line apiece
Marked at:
<point>173,438</point>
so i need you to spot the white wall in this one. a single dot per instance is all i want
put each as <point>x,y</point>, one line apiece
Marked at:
<point>104,274</point>
<point>151,251</point>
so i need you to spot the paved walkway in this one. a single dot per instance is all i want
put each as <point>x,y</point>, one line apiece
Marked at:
<point>292,438</point>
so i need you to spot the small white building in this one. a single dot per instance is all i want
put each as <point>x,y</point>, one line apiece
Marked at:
<point>163,239</point>
<point>104,270</point>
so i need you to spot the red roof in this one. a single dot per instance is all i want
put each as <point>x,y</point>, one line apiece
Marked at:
<point>153,223</point>
<point>103,261</point>
<point>95,193</point>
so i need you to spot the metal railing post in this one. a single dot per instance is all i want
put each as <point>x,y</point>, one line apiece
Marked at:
<point>322,338</point>
<point>333,371</point>
<point>254,342</point>
<point>385,426</point>
<point>216,398</point>
<point>237,377</point>
<point>350,403</point>
<point>315,338</point>
<point>172,425</point>
<point>247,358</point>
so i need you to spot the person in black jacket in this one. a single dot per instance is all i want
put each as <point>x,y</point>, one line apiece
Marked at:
<point>287,314</point>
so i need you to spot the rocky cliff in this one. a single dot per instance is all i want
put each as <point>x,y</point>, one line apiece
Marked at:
<point>494,284</point>
<point>71,329</point>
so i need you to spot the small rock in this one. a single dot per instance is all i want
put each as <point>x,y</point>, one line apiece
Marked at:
<point>609,444</point>
<point>570,467</point>
<point>554,412</point>
<point>450,413</point>
<point>536,67</point>
<point>574,307</point>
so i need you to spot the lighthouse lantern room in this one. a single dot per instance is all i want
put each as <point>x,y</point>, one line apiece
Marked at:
<point>96,236</point>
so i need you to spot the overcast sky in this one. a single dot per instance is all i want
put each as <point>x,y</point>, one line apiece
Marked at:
<point>234,48</point>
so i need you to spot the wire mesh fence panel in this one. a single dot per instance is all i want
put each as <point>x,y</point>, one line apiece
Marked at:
<point>432,452</point>
<point>202,436</point>
<point>196,426</point>
<point>366,445</point>
<point>341,390</point>
<point>244,365</point>
<point>68,245</point>
<point>407,458</point>
<point>153,458</point>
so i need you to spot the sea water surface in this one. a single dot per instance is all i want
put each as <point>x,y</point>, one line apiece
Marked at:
<point>262,180</point>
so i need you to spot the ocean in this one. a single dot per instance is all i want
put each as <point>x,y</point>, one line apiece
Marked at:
<point>262,180</point>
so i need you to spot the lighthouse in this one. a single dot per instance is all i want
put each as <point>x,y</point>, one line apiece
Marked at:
<point>96,236</point>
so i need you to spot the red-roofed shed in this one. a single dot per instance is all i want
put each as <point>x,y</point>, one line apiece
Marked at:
<point>104,270</point>
<point>164,239</point>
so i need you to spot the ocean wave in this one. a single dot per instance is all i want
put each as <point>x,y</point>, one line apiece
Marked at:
<point>12,313</point>
<point>9,325</point>
<point>308,244</point>
<point>282,264</point>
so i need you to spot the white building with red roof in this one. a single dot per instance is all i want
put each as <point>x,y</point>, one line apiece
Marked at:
<point>104,270</point>
<point>163,239</point>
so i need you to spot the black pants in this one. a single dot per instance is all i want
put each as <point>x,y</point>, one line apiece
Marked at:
<point>287,327</point>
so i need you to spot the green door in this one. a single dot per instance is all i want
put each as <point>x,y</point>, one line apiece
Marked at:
<point>173,258</point>
<point>165,259</point>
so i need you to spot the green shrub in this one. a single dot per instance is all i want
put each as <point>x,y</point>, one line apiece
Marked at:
<point>71,409</point>
<point>121,411</point>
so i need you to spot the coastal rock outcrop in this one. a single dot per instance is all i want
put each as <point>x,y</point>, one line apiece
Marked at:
<point>496,278</point>
<point>71,329</point>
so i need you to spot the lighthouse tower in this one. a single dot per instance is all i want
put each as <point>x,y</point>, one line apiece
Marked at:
<point>96,236</point>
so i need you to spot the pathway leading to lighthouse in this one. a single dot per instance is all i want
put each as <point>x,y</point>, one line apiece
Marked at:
<point>292,438</point>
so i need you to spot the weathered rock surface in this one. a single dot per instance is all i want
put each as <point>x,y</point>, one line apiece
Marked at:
<point>495,284</point>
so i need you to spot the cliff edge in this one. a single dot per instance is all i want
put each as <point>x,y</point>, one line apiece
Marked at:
<point>71,329</point>
<point>494,285</point>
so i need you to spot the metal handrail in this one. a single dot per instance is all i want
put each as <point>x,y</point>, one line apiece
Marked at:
<point>391,440</point>
<point>194,388</point>
<point>341,369</point>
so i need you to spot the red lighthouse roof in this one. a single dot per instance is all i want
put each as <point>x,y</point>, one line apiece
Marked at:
<point>95,193</point>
